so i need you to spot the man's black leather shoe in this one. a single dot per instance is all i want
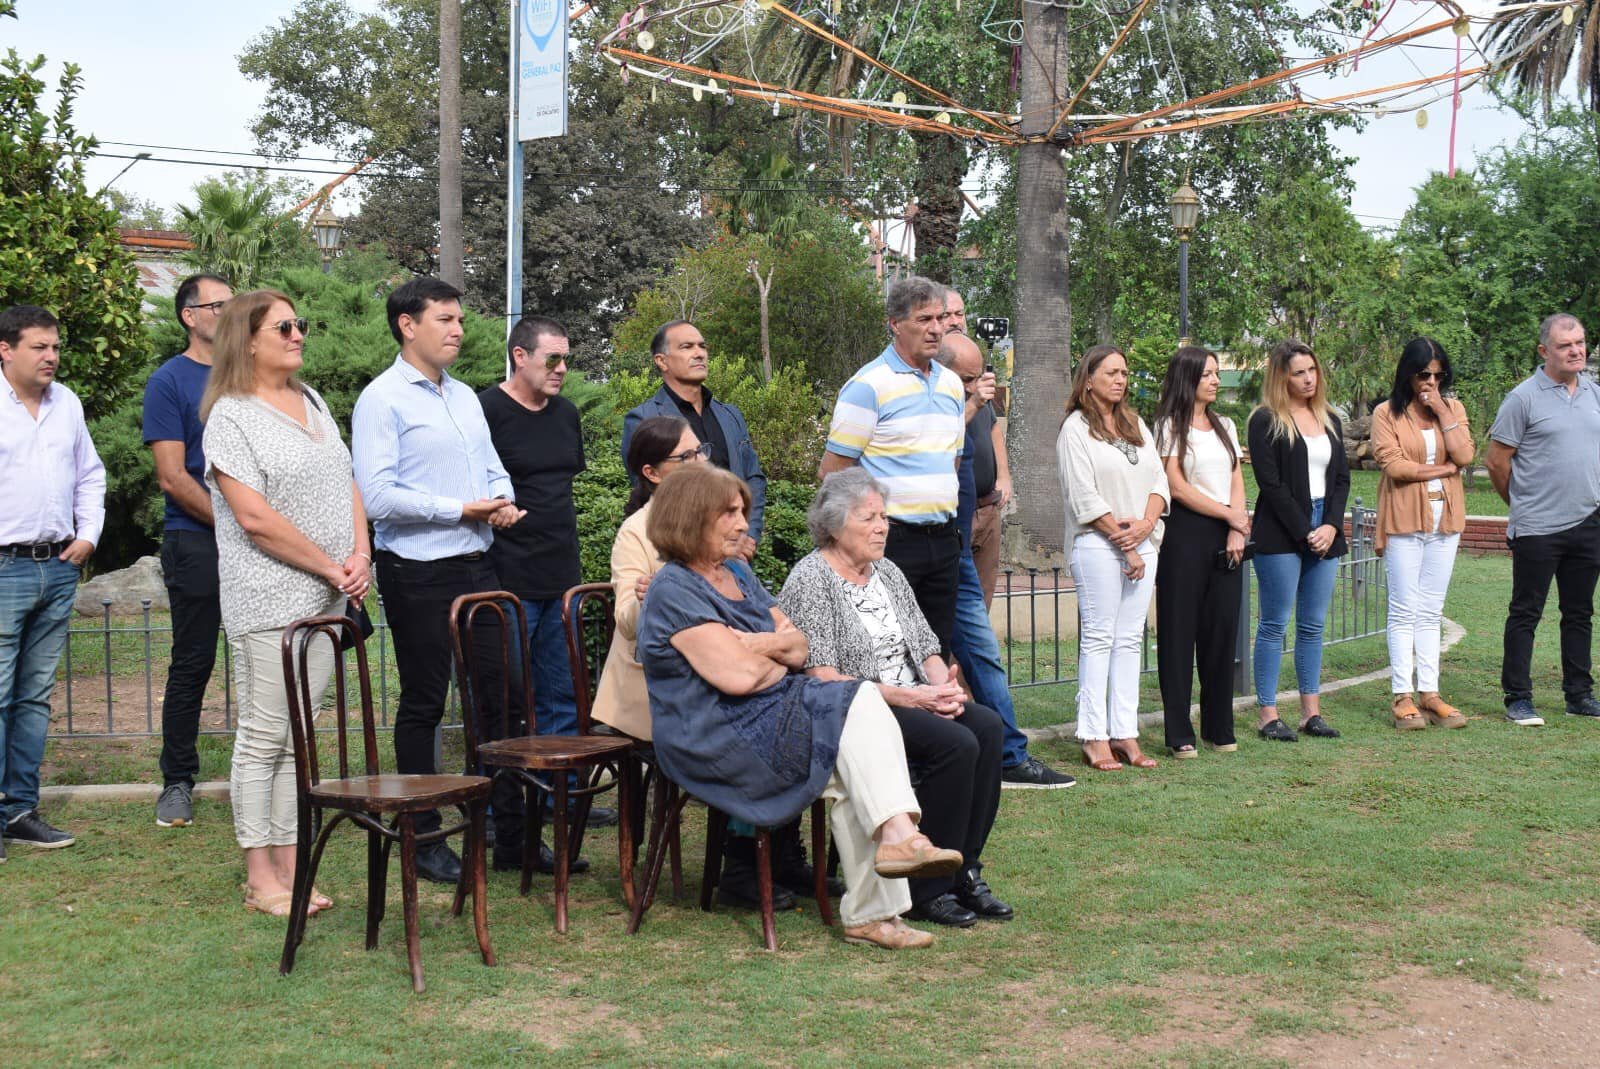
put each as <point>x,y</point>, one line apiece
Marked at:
<point>943,910</point>
<point>511,861</point>
<point>738,886</point>
<point>973,893</point>
<point>790,867</point>
<point>437,863</point>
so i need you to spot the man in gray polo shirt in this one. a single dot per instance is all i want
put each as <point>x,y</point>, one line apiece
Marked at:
<point>1544,459</point>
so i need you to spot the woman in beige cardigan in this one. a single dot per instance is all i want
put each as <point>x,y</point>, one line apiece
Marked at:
<point>1421,440</point>
<point>659,445</point>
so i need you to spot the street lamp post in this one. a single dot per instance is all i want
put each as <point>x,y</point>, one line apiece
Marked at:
<point>1185,205</point>
<point>328,233</point>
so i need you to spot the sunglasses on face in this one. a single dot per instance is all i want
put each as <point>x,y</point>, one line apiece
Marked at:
<point>286,327</point>
<point>703,451</point>
<point>1431,376</point>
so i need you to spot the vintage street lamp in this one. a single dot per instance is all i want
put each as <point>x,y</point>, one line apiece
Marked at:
<point>1185,205</point>
<point>328,233</point>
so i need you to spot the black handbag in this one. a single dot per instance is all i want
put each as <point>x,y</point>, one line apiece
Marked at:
<point>356,613</point>
<point>1225,565</point>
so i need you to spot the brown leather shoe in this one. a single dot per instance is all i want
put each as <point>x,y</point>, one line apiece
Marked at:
<point>915,857</point>
<point>891,934</point>
<point>1406,717</point>
<point>1441,713</point>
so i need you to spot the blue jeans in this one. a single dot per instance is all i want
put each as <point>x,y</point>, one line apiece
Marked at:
<point>35,609</point>
<point>1302,582</point>
<point>555,709</point>
<point>978,652</point>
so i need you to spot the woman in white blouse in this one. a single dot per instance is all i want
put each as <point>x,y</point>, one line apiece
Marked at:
<point>291,542</point>
<point>1115,490</point>
<point>1200,580</point>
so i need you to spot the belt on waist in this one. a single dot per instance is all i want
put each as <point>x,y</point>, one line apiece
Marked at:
<point>1435,495</point>
<point>35,550</point>
<point>385,554</point>
<point>942,527</point>
<point>993,497</point>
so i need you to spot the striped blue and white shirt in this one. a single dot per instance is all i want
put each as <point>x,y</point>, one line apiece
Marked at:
<point>906,427</point>
<point>421,452</point>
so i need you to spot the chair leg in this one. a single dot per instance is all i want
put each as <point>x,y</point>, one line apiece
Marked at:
<point>626,773</point>
<point>532,825</point>
<point>561,846</point>
<point>769,929</point>
<point>300,901</point>
<point>579,822</point>
<point>477,859</point>
<point>668,808</point>
<point>819,852</point>
<point>408,897</point>
<point>377,878</point>
<point>716,833</point>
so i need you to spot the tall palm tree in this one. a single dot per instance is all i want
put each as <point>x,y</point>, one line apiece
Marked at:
<point>1540,49</point>
<point>235,231</point>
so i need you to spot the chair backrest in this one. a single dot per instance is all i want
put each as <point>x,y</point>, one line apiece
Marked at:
<point>298,640</point>
<point>472,648</point>
<point>588,616</point>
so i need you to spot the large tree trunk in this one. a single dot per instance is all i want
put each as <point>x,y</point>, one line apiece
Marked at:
<point>1042,362</point>
<point>451,243</point>
<point>941,165</point>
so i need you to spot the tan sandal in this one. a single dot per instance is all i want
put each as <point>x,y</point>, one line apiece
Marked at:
<point>1406,717</point>
<point>915,857</point>
<point>891,934</point>
<point>1441,713</point>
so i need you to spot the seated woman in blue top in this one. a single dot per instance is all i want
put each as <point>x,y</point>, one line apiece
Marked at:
<point>738,726</point>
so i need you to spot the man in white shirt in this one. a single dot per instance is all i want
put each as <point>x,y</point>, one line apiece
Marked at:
<point>55,508</point>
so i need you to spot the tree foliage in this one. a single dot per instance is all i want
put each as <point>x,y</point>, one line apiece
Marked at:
<point>240,232</point>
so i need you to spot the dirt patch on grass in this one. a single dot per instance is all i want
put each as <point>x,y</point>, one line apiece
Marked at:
<point>555,1021</point>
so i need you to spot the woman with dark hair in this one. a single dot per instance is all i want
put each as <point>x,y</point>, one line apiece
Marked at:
<point>1421,440</point>
<point>1199,581</point>
<point>1297,453</point>
<point>1115,490</point>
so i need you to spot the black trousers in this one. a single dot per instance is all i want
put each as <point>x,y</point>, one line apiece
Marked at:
<point>956,765</point>
<point>1572,559</point>
<point>930,557</point>
<point>189,566</point>
<point>1197,612</point>
<point>416,602</point>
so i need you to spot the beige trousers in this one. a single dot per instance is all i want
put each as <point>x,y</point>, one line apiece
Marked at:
<point>262,781</point>
<point>869,785</point>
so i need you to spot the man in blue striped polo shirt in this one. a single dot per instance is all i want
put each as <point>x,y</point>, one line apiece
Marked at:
<point>902,418</point>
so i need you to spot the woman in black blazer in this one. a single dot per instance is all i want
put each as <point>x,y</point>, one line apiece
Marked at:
<point>1297,451</point>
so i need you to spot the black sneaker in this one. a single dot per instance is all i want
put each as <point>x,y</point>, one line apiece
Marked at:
<point>33,830</point>
<point>175,807</point>
<point>1522,713</point>
<point>1033,774</point>
<point>437,863</point>
<point>1586,707</point>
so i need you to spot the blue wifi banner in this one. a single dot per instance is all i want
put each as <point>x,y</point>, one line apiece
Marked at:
<point>542,69</point>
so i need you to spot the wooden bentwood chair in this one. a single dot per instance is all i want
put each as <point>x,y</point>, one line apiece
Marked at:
<point>588,614</point>
<point>363,799</point>
<point>538,763</point>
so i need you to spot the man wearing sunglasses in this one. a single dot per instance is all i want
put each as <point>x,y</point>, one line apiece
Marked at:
<point>679,352</point>
<point>173,431</point>
<point>436,492</point>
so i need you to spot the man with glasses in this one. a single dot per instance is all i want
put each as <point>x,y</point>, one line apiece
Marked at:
<point>680,354</point>
<point>435,491</point>
<point>173,431</point>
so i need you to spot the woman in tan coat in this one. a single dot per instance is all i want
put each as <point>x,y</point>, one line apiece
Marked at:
<point>1421,440</point>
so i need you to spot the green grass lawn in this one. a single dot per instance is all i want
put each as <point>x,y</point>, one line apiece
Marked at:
<point>1274,886</point>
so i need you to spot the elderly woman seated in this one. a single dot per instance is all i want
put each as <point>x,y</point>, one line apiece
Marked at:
<point>739,727</point>
<point>861,621</point>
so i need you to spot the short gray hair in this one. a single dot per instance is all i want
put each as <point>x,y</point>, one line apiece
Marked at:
<point>911,293</point>
<point>1560,319</point>
<point>840,492</point>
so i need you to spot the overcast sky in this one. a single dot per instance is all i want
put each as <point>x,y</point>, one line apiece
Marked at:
<point>165,73</point>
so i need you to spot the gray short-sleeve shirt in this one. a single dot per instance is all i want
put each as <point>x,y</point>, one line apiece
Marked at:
<point>306,477</point>
<point>1555,473</point>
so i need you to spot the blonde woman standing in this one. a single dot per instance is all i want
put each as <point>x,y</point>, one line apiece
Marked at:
<point>1421,439</point>
<point>291,543</point>
<point>1115,489</point>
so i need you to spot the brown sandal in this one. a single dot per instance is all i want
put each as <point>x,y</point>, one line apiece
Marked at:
<point>891,934</point>
<point>1406,717</point>
<point>1441,713</point>
<point>1101,764</point>
<point>1136,760</point>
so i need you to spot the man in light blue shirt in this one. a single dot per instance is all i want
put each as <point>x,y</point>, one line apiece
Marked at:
<point>434,489</point>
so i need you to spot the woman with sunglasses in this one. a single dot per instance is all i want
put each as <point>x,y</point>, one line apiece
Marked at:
<point>1115,489</point>
<point>291,542</point>
<point>1303,478</point>
<point>1421,439</point>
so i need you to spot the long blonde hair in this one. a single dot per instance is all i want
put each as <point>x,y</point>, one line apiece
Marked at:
<point>233,365</point>
<point>1275,389</point>
<point>1122,413</point>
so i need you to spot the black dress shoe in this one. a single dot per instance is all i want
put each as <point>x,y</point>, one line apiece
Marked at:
<point>1278,731</point>
<point>974,894</point>
<point>437,863</point>
<point>791,869</point>
<point>943,910</point>
<point>511,861</point>
<point>738,885</point>
<point>1319,728</point>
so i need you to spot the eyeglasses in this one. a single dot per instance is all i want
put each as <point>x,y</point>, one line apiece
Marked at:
<point>287,327</point>
<point>702,451</point>
<point>214,307</point>
<point>1432,376</point>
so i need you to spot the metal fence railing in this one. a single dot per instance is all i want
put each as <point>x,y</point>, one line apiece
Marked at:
<point>112,673</point>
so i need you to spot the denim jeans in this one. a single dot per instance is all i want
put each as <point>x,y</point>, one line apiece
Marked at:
<point>555,709</point>
<point>978,652</point>
<point>35,609</point>
<point>1302,582</point>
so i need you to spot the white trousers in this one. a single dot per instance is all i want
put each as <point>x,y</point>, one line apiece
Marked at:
<point>869,785</point>
<point>262,779</point>
<point>1111,615</point>
<point>1418,567</point>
